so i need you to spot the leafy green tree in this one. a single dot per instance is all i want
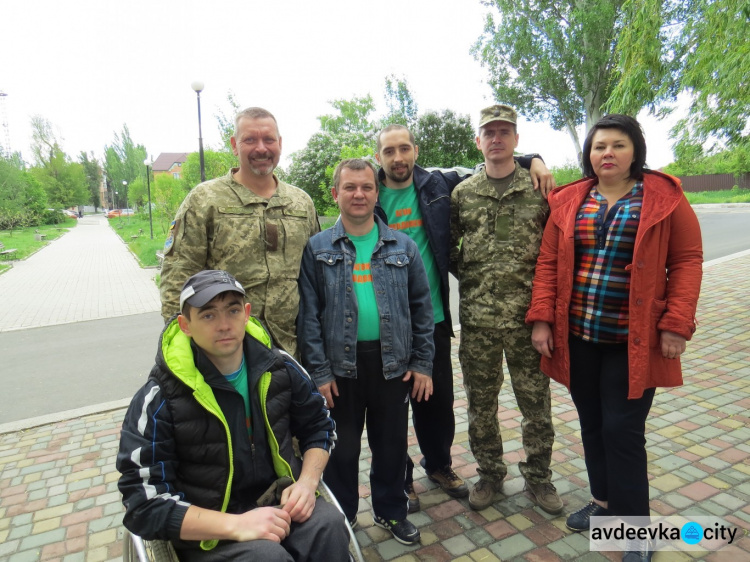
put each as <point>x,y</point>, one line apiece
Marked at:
<point>697,46</point>
<point>226,122</point>
<point>217,163</point>
<point>123,161</point>
<point>167,194</point>
<point>350,128</point>
<point>63,180</point>
<point>22,200</point>
<point>445,140</point>
<point>94,175</point>
<point>402,108</point>
<point>353,116</point>
<point>692,160</point>
<point>551,60</point>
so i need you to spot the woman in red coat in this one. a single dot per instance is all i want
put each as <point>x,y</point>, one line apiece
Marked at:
<point>613,303</point>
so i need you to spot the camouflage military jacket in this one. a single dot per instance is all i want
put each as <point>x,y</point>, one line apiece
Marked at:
<point>223,225</point>
<point>495,242</point>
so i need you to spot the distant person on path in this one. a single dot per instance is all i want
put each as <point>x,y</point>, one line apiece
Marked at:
<point>248,222</point>
<point>497,221</point>
<point>207,441</point>
<point>416,202</point>
<point>614,301</point>
<point>365,333</point>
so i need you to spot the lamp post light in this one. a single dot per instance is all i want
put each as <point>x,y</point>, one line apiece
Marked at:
<point>198,87</point>
<point>147,162</point>
<point>125,187</point>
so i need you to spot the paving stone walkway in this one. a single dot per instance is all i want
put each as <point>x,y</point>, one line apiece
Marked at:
<point>59,499</point>
<point>87,274</point>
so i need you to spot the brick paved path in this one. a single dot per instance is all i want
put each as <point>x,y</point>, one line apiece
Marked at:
<point>87,274</point>
<point>59,500</point>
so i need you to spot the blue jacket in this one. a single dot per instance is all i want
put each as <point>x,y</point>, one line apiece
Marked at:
<point>327,321</point>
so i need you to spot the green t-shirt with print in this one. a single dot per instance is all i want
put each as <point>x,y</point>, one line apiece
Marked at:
<point>401,206</point>
<point>368,317</point>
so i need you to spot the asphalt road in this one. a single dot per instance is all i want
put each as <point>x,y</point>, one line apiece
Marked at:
<point>70,366</point>
<point>65,367</point>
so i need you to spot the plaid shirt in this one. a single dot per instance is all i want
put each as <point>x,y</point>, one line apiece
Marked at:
<point>604,247</point>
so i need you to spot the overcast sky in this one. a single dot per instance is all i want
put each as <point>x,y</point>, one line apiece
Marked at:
<point>89,66</point>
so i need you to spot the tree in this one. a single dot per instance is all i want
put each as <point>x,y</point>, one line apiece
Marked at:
<point>711,61</point>
<point>226,123</point>
<point>559,61</point>
<point>445,140</point>
<point>93,172</point>
<point>350,131</point>
<point>123,160</point>
<point>63,180</point>
<point>167,194</point>
<point>22,199</point>
<point>215,163</point>
<point>402,109</point>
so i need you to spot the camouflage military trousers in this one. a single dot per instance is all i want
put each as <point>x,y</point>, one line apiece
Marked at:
<point>481,355</point>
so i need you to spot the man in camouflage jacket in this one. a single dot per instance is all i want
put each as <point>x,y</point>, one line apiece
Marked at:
<point>247,222</point>
<point>497,221</point>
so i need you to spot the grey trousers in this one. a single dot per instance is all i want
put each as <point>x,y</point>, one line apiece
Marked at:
<point>322,537</point>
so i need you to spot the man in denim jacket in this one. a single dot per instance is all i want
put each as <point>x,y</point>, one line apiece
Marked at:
<point>365,330</point>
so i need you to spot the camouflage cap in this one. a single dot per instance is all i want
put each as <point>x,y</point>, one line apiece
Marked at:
<point>497,113</point>
<point>205,285</point>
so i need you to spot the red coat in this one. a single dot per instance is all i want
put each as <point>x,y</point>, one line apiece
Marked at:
<point>664,286</point>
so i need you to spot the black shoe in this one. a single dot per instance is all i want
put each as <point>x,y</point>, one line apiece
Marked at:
<point>403,531</point>
<point>413,497</point>
<point>353,522</point>
<point>638,550</point>
<point>580,520</point>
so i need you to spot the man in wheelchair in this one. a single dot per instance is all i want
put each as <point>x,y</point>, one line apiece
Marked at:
<point>206,451</point>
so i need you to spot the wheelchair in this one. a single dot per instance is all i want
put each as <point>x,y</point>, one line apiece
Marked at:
<point>135,549</point>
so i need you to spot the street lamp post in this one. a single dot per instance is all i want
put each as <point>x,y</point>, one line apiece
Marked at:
<point>147,162</point>
<point>198,87</point>
<point>125,187</point>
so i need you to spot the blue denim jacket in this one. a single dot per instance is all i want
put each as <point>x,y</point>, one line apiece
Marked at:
<point>327,321</point>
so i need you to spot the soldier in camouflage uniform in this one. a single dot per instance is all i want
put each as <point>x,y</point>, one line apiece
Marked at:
<point>497,221</point>
<point>248,223</point>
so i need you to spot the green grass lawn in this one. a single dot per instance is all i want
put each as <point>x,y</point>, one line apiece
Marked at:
<point>134,231</point>
<point>726,196</point>
<point>24,241</point>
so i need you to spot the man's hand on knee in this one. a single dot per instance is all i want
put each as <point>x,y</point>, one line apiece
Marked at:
<point>298,500</point>
<point>267,523</point>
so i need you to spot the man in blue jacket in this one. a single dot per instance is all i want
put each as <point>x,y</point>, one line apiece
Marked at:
<point>206,451</point>
<point>416,202</point>
<point>365,334</point>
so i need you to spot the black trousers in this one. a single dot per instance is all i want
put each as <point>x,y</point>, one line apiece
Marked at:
<point>384,406</point>
<point>613,428</point>
<point>434,420</point>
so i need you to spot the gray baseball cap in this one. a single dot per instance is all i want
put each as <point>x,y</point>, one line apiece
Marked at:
<point>497,113</point>
<point>205,285</point>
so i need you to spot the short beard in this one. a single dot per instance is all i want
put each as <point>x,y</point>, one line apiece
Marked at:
<point>395,178</point>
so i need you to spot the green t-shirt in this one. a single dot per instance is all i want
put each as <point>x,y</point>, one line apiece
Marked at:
<point>401,206</point>
<point>238,380</point>
<point>368,318</point>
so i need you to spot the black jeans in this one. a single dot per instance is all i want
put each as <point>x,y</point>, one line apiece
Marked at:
<point>612,427</point>
<point>384,406</point>
<point>434,419</point>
